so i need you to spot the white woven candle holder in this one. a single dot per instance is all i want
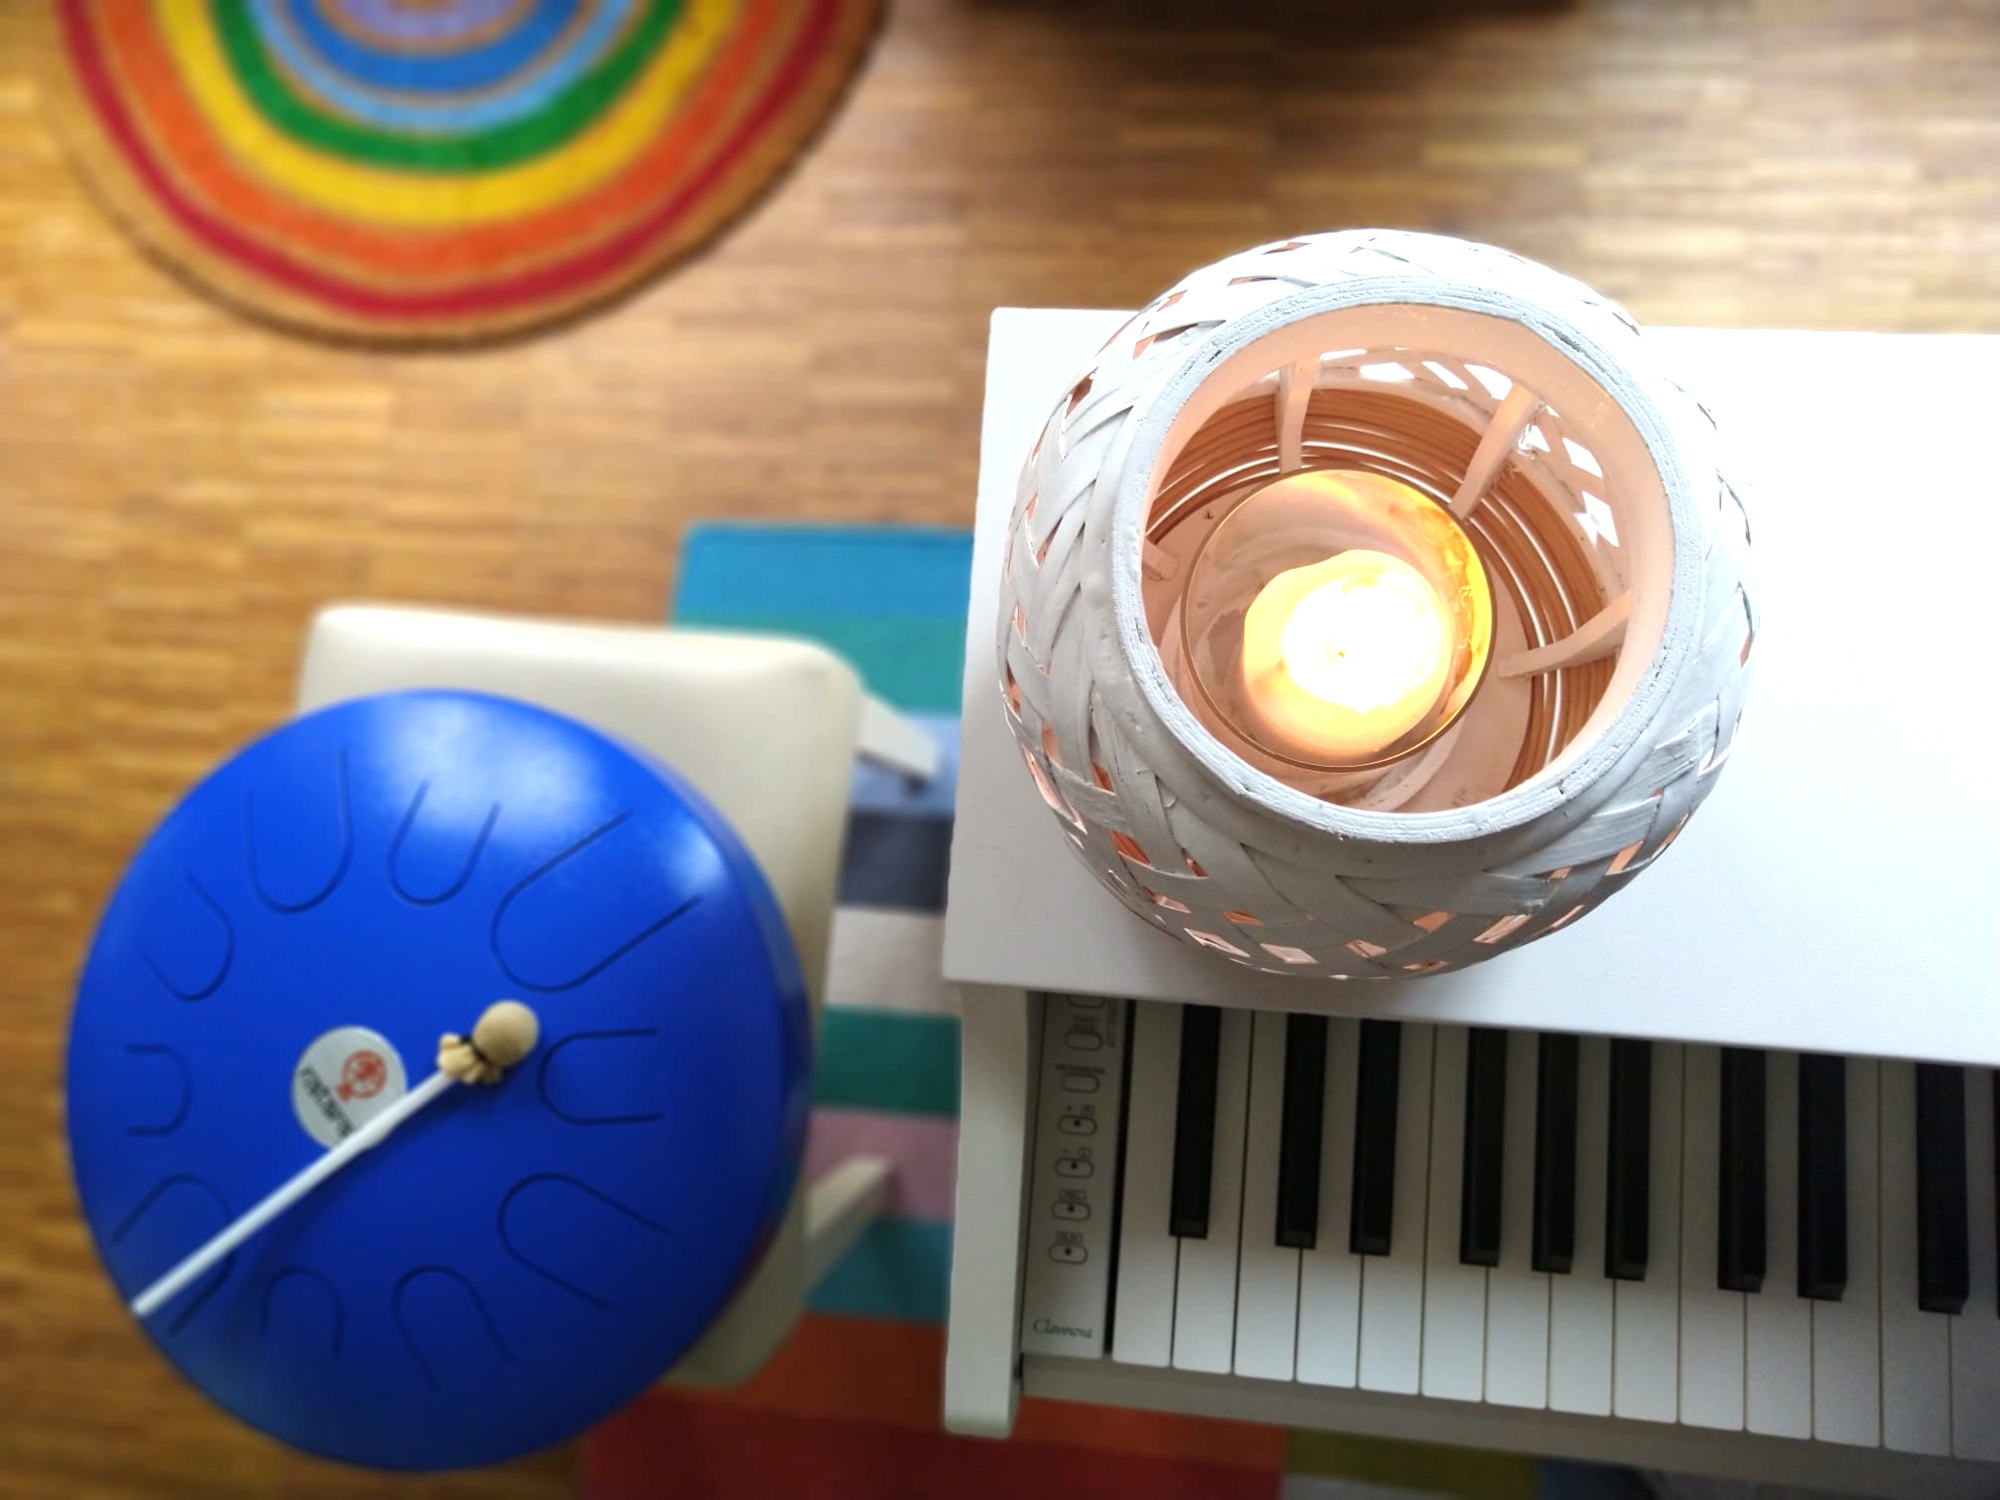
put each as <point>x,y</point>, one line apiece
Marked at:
<point>1587,480</point>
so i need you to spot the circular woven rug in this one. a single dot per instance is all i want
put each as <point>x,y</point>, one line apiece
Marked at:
<point>412,171</point>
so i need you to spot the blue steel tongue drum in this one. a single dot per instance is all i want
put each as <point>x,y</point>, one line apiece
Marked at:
<point>1704,1179</point>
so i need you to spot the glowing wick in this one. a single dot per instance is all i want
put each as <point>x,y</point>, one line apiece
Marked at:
<point>1342,658</point>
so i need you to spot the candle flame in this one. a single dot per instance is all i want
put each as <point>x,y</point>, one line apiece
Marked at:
<point>1346,655</point>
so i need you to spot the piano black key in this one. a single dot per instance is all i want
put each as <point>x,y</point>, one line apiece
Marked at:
<point>1299,1131</point>
<point>1739,1245</point>
<point>1373,1207</point>
<point>1822,1176</point>
<point>1479,1183</point>
<point>1628,1183</point>
<point>1996,1174</point>
<point>1555,1153</point>
<point>1194,1122</point>
<point>1944,1268</point>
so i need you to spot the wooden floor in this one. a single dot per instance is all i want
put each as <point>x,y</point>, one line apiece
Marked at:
<point>179,489</point>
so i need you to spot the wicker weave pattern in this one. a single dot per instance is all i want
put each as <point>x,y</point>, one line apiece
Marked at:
<point>1181,844</point>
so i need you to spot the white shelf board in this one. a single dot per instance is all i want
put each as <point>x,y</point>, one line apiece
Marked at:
<point>1836,892</point>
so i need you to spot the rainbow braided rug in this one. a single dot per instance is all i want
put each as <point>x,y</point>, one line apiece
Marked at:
<point>416,171</point>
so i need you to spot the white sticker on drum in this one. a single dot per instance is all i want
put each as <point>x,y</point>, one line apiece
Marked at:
<point>346,1077</point>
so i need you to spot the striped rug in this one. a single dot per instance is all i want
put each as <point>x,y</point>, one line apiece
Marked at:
<point>414,171</point>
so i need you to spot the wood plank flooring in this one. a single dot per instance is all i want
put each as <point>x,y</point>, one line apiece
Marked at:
<point>180,488</point>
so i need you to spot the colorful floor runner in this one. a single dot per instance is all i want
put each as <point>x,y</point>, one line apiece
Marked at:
<point>851,1405</point>
<point>422,170</point>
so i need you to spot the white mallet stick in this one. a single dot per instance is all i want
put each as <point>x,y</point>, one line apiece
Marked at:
<point>505,1034</point>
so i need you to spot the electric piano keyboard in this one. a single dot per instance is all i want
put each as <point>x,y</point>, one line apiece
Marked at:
<point>1777,1243</point>
<point>1705,1253</point>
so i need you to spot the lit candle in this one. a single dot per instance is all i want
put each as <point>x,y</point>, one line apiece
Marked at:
<point>1342,658</point>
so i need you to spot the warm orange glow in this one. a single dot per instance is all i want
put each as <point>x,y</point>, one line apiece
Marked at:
<point>1342,658</point>
<point>1334,621</point>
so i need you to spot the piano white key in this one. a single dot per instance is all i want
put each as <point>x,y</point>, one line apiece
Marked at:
<point>1454,1362</point>
<point>1267,1280</point>
<point>1916,1345</point>
<point>1517,1295</point>
<point>1847,1350</point>
<point>1205,1290</point>
<point>1329,1273</point>
<point>1711,1319</point>
<point>1143,1330</point>
<point>1975,1333</point>
<point>1645,1351</point>
<point>1581,1303</point>
<point>1392,1285</point>
<point>1777,1322</point>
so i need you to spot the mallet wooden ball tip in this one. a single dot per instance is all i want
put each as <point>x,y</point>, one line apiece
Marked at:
<point>503,1035</point>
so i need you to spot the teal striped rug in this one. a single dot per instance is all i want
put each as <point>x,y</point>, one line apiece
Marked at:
<point>892,601</point>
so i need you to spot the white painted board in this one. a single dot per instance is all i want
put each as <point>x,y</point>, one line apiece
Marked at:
<point>1780,876</point>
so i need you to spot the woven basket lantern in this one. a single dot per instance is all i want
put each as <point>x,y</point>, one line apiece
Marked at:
<point>1497,437</point>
